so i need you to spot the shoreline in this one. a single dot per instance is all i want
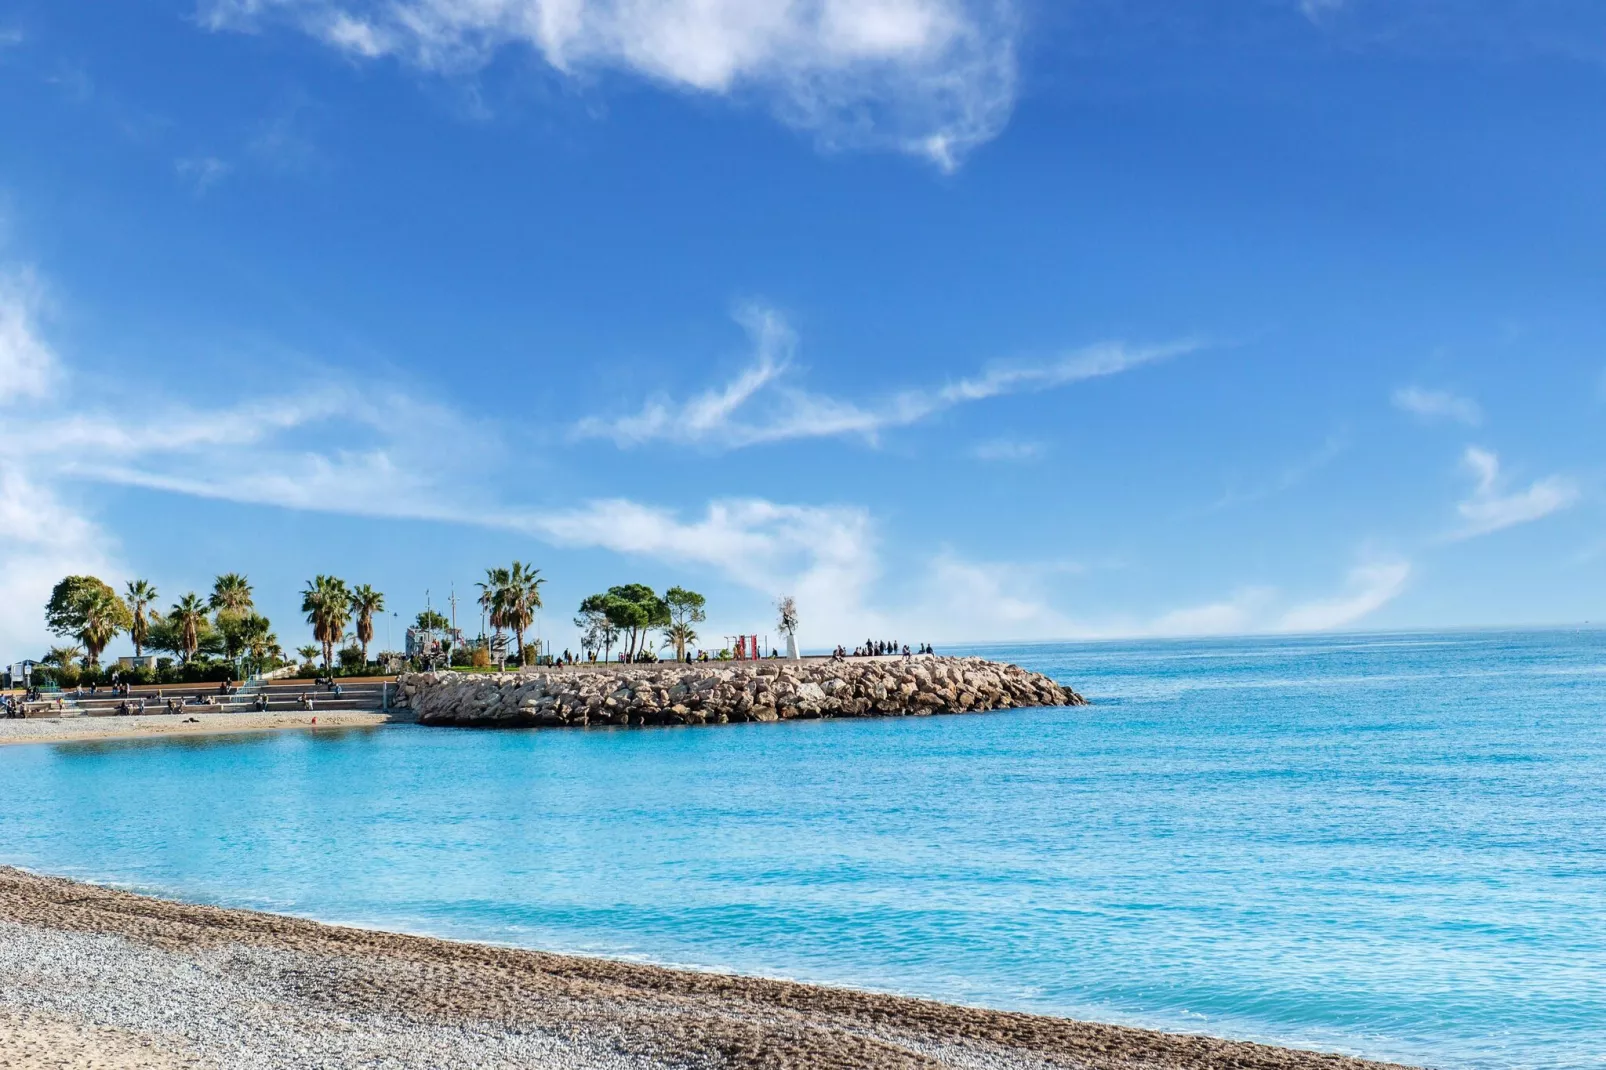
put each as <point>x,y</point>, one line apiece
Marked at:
<point>165,725</point>
<point>86,968</point>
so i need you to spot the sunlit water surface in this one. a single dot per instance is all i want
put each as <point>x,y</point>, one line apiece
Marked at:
<point>1387,845</point>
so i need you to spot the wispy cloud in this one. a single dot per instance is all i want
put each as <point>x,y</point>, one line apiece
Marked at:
<point>1008,449</point>
<point>41,537</point>
<point>343,449</point>
<point>933,78</point>
<point>1291,476</point>
<point>1315,10</point>
<point>1488,510</point>
<point>762,404</point>
<point>1370,587</point>
<point>27,366</point>
<point>202,172</point>
<point>1437,405</point>
<point>1262,609</point>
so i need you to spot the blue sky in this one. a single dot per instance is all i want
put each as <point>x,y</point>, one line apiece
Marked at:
<point>957,321</point>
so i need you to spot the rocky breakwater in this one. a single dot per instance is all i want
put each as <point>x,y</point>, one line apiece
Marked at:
<point>722,692</point>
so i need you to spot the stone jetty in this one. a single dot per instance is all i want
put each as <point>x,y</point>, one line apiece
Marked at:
<point>723,692</point>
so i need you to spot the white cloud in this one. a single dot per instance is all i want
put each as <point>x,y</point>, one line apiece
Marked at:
<point>1370,588</point>
<point>41,538</point>
<point>1437,405</point>
<point>1315,9</point>
<point>761,405</point>
<point>1262,610</point>
<point>1237,615</point>
<point>202,172</point>
<point>1290,477</point>
<point>931,77</point>
<point>824,555</point>
<point>27,367</point>
<point>1007,449</point>
<point>345,449</point>
<point>1488,510</point>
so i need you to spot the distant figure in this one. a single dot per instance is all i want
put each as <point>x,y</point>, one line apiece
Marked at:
<point>906,651</point>
<point>337,690</point>
<point>261,702</point>
<point>306,701</point>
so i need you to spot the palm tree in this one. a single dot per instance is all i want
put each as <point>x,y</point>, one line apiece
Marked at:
<point>104,615</point>
<point>257,639</point>
<point>62,656</point>
<point>231,595</point>
<point>326,602</point>
<point>685,609</point>
<point>307,652</point>
<point>680,636</point>
<point>520,597</point>
<point>492,599</point>
<point>138,595</point>
<point>365,602</point>
<point>187,615</point>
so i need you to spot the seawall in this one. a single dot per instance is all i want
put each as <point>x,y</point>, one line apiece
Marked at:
<point>723,692</point>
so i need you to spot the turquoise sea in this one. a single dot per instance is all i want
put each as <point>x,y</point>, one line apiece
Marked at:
<point>1392,845</point>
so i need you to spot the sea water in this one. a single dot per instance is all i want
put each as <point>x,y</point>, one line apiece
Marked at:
<point>1389,845</point>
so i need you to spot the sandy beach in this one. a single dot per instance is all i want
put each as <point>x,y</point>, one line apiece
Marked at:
<point>68,729</point>
<point>94,977</point>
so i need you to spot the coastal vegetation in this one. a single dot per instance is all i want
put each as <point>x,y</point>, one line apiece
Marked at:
<point>222,635</point>
<point>86,609</point>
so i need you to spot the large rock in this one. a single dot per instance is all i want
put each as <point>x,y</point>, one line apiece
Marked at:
<point>721,692</point>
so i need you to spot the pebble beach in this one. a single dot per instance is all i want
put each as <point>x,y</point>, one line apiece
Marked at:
<point>95,977</point>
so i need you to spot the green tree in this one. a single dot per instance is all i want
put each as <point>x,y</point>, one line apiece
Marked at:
<point>86,609</point>
<point>138,595</point>
<point>596,630</point>
<point>520,597</point>
<point>627,617</point>
<point>307,652</point>
<point>654,613</point>
<point>326,602</point>
<point>62,656</point>
<point>365,602</point>
<point>256,639</point>
<point>61,659</point>
<point>431,621</point>
<point>685,609</point>
<point>231,596</point>
<point>188,618</point>
<point>492,599</point>
<point>679,636</point>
